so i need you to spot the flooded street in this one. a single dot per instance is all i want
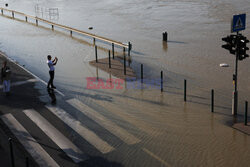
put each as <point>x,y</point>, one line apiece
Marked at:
<point>170,131</point>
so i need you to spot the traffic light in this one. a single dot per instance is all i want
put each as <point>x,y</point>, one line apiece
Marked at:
<point>241,57</point>
<point>231,43</point>
<point>236,44</point>
<point>242,47</point>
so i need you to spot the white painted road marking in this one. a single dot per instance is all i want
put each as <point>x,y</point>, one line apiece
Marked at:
<point>156,157</point>
<point>21,82</point>
<point>57,137</point>
<point>87,134</point>
<point>41,157</point>
<point>142,125</point>
<point>101,120</point>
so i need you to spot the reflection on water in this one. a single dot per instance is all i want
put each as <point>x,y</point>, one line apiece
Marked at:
<point>46,13</point>
<point>52,96</point>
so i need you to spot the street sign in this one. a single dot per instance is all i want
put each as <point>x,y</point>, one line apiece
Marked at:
<point>239,22</point>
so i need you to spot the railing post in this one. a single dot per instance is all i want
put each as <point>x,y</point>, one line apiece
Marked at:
<point>70,32</point>
<point>124,50</point>
<point>12,14</point>
<point>11,153</point>
<point>109,60</point>
<point>161,81</point>
<point>129,48</point>
<point>212,100</point>
<point>96,59</point>
<point>113,50</point>
<point>26,18</point>
<point>185,90</point>
<point>124,63</point>
<point>94,41</point>
<point>165,36</point>
<point>36,22</point>
<point>27,161</point>
<point>52,27</point>
<point>246,108</point>
<point>141,73</point>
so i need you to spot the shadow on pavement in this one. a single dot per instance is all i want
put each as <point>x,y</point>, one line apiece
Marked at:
<point>99,162</point>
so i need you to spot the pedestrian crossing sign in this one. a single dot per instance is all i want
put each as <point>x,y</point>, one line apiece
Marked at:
<point>239,22</point>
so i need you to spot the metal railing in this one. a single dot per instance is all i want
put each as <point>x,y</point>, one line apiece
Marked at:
<point>128,45</point>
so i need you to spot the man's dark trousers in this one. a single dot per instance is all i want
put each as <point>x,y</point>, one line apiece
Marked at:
<point>51,74</point>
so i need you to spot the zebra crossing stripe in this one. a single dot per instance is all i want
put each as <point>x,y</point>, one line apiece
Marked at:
<point>21,82</point>
<point>116,110</point>
<point>101,120</point>
<point>41,157</point>
<point>85,133</point>
<point>57,137</point>
<point>156,157</point>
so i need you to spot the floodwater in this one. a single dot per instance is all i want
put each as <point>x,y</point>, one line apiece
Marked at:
<point>182,134</point>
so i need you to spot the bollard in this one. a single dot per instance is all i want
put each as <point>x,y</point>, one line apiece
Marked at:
<point>165,36</point>
<point>109,60</point>
<point>97,75</point>
<point>124,50</point>
<point>185,90</point>
<point>36,22</point>
<point>52,26</point>
<point>129,48</point>
<point>27,161</point>
<point>141,73</point>
<point>26,18</point>
<point>2,11</point>
<point>161,81</point>
<point>94,41</point>
<point>12,14</point>
<point>212,100</point>
<point>70,33</point>
<point>113,50</point>
<point>96,60</point>
<point>11,153</point>
<point>124,63</point>
<point>246,107</point>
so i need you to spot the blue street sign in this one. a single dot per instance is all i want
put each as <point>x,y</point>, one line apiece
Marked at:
<point>239,23</point>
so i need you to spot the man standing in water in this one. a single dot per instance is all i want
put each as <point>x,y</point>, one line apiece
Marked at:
<point>51,65</point>
<point>5,77</point>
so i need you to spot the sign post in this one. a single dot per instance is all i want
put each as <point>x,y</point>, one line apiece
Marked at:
<point>236,44</point>
<point>238,24</point>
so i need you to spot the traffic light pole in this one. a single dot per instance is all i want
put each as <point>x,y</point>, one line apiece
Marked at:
<point>235,93</point>
<point>236,45</point>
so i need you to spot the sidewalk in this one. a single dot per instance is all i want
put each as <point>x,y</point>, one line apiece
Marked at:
<point>23,95</point>
<point>45,135</point>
